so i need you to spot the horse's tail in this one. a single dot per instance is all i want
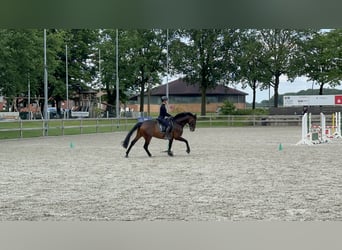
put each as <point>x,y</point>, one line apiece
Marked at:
<point>128,136</point>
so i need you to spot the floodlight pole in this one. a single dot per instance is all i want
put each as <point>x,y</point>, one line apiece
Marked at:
<point>100,80</point>
<point>67,80</point>
<point>117,76</point>
<point>167,63</point>
<point>29,95</point>
<point>45,88</point>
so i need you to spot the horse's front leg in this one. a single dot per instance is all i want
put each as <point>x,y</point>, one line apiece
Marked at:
<point>186,143</point>
<point>169,152</point>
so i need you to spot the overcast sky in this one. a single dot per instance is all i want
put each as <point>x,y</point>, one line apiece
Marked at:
<point>285,86</point>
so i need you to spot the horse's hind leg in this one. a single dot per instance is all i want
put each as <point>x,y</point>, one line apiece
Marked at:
<point>132,144</point>
<point>147,142</point>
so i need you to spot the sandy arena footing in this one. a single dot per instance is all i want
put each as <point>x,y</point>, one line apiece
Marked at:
<point>239,174</point>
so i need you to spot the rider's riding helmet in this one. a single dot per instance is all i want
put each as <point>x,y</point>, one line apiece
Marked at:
<point>164,98</point>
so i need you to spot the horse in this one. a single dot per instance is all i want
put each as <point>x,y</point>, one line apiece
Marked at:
<point>150,128</point>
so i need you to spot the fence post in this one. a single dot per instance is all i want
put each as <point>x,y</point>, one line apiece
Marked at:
<point>117,122</point>
<point>21,128</point>
<point>81,125</point>
<point>43,126</point>
<point>63,126</point>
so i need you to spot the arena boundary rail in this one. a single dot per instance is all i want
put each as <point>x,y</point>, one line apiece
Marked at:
<point>11,129</point>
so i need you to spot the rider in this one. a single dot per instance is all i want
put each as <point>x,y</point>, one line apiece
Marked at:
<point>163,114</point>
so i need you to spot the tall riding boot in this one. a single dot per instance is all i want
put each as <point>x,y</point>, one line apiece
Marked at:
<point>168,133</point>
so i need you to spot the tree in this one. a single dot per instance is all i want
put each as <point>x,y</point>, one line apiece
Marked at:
<point>55,53</point>
<point>20,55</point>
<point>143,60</point>
<point>321,59</point>
<point>8,86</point>
<point>107,79</point>
<point>56,69</point>
<point>280,47</point>
<point>200,56</point>
<point>21,59</point>
<point>250,71</point>
<point>82,60</point>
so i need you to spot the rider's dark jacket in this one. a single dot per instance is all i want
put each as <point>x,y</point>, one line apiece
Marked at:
<point>163,114</point>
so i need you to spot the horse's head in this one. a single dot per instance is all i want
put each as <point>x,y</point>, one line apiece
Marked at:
<point>192,122</point>
<point>186,118</point>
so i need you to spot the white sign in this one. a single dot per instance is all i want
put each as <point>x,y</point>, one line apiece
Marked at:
<point>9,115</point>
<point>79,114</point>
<point>312,100</point>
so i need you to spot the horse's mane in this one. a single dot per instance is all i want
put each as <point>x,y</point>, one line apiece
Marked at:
<point>181,115</point>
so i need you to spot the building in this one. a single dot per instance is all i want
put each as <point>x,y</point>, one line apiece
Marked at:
<point>187,97</point>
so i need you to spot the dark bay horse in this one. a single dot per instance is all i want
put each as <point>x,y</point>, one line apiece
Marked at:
<point>150,128</point>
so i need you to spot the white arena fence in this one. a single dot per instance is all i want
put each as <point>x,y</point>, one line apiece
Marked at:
<point>56,127</point>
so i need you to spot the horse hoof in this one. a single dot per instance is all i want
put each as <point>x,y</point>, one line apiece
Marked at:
<point>188,151</point>
<point>170,153</point>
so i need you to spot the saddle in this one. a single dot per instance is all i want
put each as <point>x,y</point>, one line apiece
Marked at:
<point>163,127</point>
